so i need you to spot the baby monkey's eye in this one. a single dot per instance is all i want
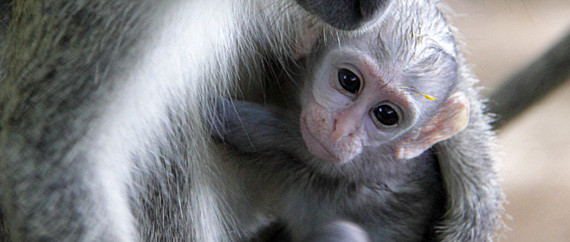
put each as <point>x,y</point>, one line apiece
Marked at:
<point>348,81</point>
<point>386,115</point>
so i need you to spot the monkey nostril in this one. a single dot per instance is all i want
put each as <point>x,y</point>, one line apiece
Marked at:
<point>334,124</point>
<point>339,131</point>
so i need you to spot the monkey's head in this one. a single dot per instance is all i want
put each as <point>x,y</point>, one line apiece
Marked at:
<point>395,87</point>
<point>346,15</point>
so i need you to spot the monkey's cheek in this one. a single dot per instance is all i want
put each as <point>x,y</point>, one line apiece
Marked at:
<point>314,145</point>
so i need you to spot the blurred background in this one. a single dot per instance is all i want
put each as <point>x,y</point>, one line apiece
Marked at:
<point>501,37</point>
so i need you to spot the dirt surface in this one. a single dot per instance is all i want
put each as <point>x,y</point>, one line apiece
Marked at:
<point>502,37</point>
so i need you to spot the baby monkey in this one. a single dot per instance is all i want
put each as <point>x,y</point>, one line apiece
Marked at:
<point>355,159</point>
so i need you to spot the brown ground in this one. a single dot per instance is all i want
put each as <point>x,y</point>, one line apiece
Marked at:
<point>503,36</point>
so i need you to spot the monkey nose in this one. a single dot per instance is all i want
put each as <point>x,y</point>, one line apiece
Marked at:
<point>340,130</point>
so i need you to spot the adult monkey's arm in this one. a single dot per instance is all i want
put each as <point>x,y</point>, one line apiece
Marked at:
<point>101,107</point>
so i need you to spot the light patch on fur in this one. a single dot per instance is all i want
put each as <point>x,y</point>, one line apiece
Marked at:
<point>168,75</point>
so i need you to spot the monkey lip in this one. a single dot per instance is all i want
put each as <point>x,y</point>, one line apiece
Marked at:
<point>315,146</point>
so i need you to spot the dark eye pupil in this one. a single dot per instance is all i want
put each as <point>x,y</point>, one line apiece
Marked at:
<point>348,80</point>
<point>386,115</point>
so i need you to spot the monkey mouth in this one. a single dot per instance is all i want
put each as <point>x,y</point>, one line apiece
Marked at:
<point>315,146</point>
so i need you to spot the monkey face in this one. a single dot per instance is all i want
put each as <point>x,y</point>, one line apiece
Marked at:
<point>351,106</point>
<point>356,100</point>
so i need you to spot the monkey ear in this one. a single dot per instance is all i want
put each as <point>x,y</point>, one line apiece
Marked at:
<point>453,118</point>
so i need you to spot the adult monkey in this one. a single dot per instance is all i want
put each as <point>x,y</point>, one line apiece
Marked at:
<point>94,94</point>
